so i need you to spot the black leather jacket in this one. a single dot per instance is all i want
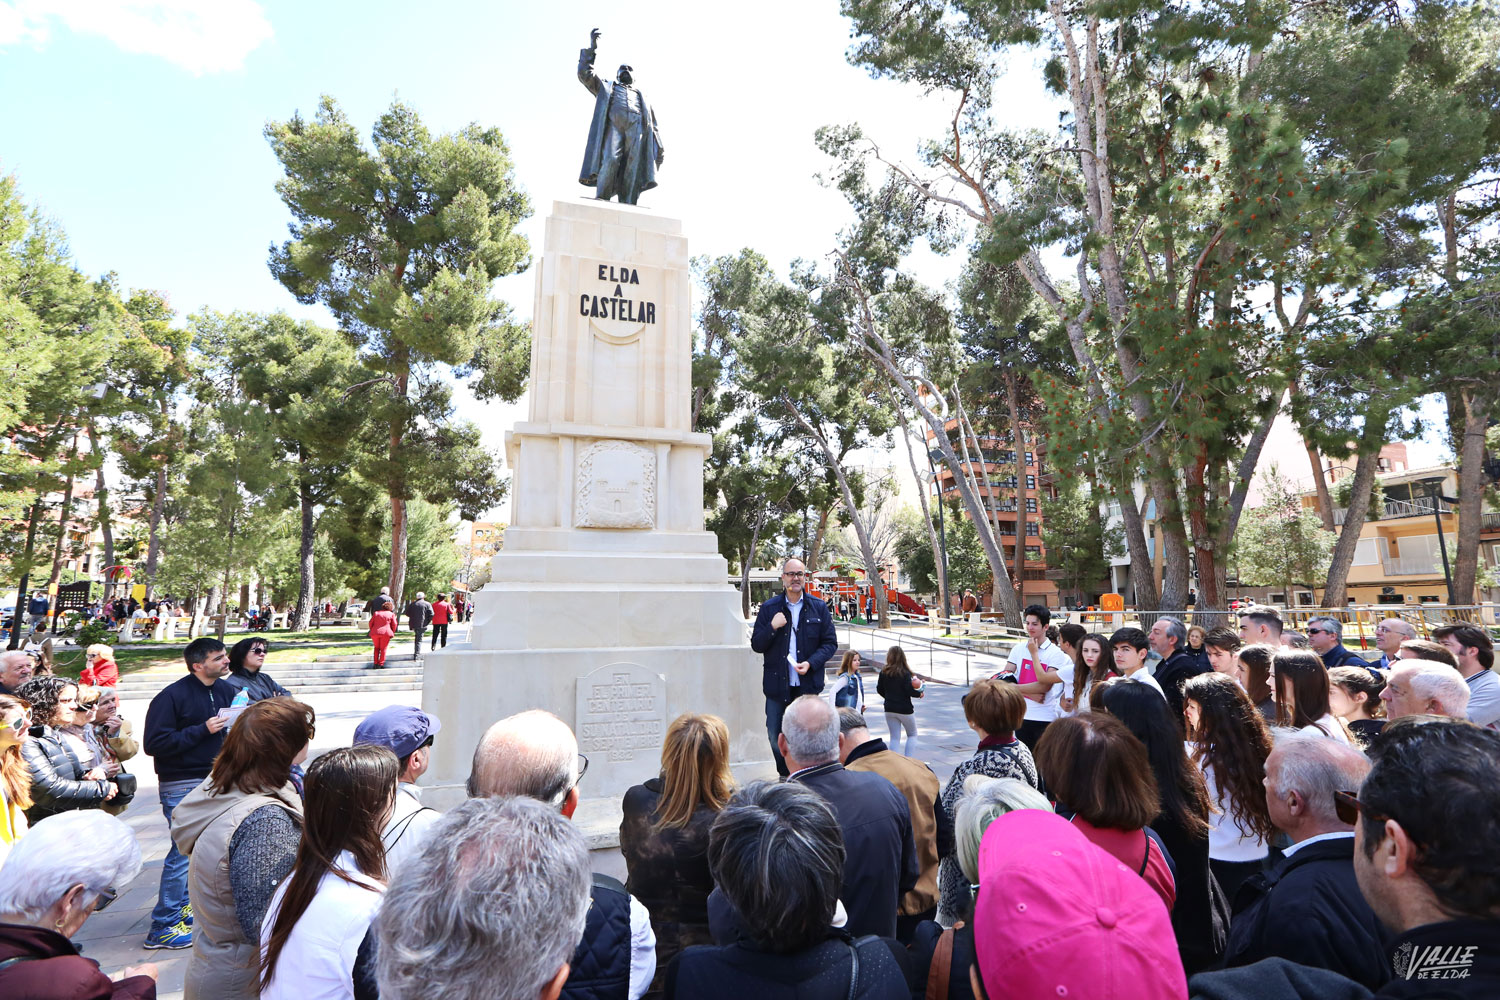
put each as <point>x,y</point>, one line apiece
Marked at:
<point>57,783</point>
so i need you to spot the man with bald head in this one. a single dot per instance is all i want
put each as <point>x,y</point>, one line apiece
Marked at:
<point>1390,633</point>
<point>535,754</point>
<point>15,669</point>
<point>795,634</point>
<point>880,860</point>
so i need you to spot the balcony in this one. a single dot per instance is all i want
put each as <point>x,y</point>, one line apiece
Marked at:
<point>1411,566</point>
<point>1490,522</point>
<point>1392,509</point>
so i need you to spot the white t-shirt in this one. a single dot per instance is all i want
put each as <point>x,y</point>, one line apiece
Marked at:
<point>1330,727</point>
<point>1227,840</point>
<point>1142,676</point>
<point>317,961</point>
<point>1053,658</point>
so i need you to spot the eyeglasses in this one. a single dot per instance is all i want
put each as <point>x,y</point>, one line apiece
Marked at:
<point>1349,808</point>
<point>106,897</point>
<point>583,767</point>
<point>20,723</point>
<point>794,574</point>
<point>1318,631</point>
<point>258,649</point>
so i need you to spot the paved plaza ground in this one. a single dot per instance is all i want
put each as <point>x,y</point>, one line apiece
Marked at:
<point>114,937</point>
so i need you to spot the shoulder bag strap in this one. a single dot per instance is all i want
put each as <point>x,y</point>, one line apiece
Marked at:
<point>400,831</point>
<point>853,970</point>
<point>12,961</point>
<point>1146,859</point>
<point>942,965</point>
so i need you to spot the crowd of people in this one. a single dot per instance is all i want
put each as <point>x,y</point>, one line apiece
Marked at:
<point>1212,820</point>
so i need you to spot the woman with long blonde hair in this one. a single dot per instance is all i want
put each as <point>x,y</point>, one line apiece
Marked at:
<point>15,778</point>
<point>664,834</point>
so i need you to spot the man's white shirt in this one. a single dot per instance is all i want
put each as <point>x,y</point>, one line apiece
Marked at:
<point>1053,658</point>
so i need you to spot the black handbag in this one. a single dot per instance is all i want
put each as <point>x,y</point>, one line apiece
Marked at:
<point>125,786</point>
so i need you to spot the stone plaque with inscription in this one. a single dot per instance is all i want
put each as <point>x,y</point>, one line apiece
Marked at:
<point>616,486</point>
<point>621,714</point>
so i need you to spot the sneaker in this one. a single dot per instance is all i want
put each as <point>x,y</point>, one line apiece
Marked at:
<point>174,938</point>
<point>187,915</point>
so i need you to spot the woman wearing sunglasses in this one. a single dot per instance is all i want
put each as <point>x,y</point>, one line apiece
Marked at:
<point>100,670</point>
<point>15,780</point>
<point>61,778</point>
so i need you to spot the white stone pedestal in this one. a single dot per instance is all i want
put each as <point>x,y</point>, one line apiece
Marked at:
<point>608,605</point>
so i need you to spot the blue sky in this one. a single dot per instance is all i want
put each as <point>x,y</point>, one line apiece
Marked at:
<point>137,124</point>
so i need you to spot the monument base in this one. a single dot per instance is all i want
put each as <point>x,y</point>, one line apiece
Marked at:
<point>618,702</point>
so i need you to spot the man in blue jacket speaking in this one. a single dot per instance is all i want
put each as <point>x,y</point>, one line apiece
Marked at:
<point>795,633</point>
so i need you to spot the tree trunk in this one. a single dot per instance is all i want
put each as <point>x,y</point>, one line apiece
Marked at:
<point>932,535</point>
<point>306,590</point>
<point>153,538</point>
<point>106,519</point>
<point>872,571</point>
<point>28,553</point>
<point>1470,500</point>
<point>228,567</point>
<point>1018,438</point>
<point>1320,481</point>
<point>60,547</point>
<point>815,550</point>
<point>397,490</point>
<point>760,520</point>
<point>878,350</point>
<point>1336,587</point>
<point>1205,539</point>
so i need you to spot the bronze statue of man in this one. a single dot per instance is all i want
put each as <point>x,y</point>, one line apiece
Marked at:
<point>624,147</point>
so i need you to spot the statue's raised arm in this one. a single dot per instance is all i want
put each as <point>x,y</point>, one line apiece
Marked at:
<point>586,74</point>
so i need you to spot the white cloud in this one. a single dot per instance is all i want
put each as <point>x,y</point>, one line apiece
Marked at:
<point>201,36</point>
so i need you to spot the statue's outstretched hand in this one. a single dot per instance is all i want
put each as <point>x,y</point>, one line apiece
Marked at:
<point>594,39</point>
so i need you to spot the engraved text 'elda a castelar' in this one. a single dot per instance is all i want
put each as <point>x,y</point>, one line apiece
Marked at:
<point>617,306</point>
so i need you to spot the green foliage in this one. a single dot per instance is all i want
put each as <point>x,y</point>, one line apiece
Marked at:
<point>401,241</point>
<point>1078,543</point>
<point>1281,543</point>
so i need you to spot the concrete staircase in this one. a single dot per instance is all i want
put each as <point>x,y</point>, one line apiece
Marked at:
<point>322,676</point>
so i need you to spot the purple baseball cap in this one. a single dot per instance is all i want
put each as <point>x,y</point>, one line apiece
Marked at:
<point>399,728</point>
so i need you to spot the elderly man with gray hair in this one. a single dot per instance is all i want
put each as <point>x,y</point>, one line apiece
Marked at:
<point>1168,639</point>
<point>880,862</point>
<point>1425,687</point>
<point>535,754</point>
<point>16,669</point>
<point>932,828</point>
<point>1326,637</point>
<point>1308,909</point>
<point>490,907</point>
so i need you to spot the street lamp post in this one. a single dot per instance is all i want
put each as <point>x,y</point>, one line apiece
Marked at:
<point>1434,486</point>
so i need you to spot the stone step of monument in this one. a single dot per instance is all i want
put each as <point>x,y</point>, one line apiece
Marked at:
<point>362,658</point>
<point>299,678</point>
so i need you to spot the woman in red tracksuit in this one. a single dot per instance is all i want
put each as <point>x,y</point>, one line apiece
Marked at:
<point>382,630</point>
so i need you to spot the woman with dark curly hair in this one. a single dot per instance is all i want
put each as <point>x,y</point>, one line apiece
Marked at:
<point>1230,741</point>
<point>62,778</point>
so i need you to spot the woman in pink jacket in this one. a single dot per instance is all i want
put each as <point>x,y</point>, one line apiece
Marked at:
<point>382,629</point>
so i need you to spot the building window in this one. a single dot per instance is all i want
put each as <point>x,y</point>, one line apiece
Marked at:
<point>1034,555</point>
<point>1032,528</point>
<point>1031,482</point>
<point>1030,458</point>
<point>1031,505</point>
